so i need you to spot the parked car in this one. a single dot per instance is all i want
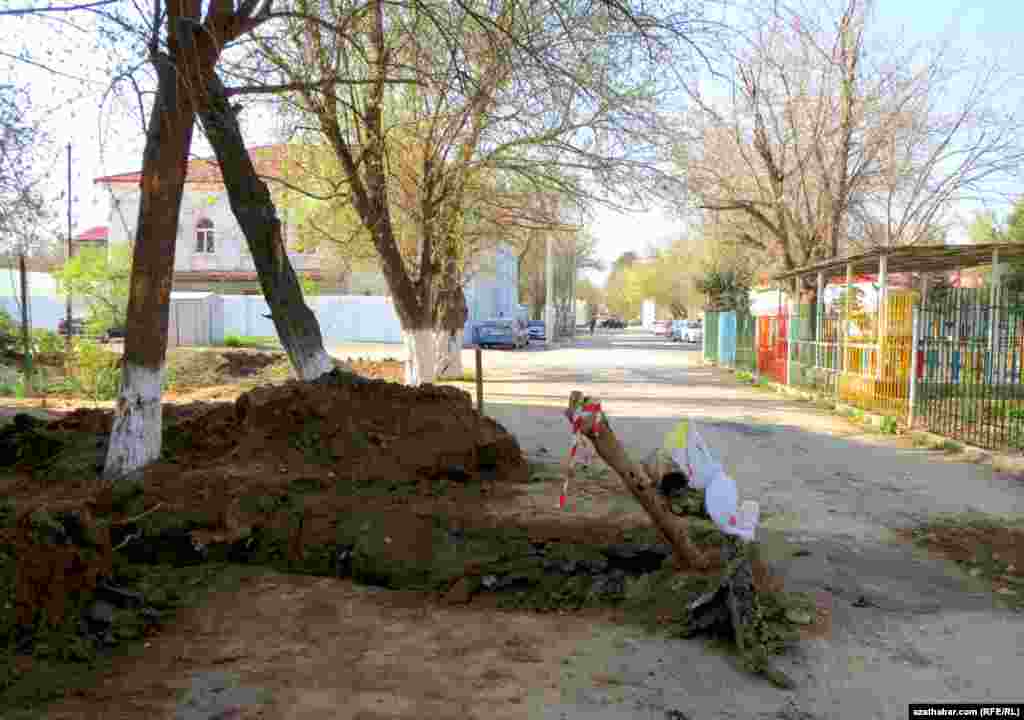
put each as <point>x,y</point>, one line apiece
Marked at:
<point>503,333</point>
<point>536,330</point>
<point>77,326</point>
<point>114,333</point>
<point>662,327</point>
<point>613,323</point>
<point>687,331</point>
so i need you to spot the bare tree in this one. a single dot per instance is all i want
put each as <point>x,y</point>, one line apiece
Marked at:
<point>832,142</point>
<point>484,90</point>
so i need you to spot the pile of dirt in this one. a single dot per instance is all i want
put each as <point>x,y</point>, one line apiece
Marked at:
<point>366,430</point>
<point>246,364</point>
<point>61,555</point>
<point>370,430</point>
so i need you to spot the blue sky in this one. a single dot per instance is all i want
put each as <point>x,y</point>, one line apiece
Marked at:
<point>981,29</point>
<point>990,29</point>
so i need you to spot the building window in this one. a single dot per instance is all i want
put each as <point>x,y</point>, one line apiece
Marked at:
<point>204,236</point>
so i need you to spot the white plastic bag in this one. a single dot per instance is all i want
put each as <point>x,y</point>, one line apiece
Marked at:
<point>705,472</point>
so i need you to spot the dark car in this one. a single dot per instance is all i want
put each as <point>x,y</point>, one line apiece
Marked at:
<point>504,333</point>
<point>536,329</point>
<point>613,323</point>
<point>114,333</point>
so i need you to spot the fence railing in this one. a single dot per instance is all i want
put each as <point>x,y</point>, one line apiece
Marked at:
<point>970,354</point>
<point>711,336</point>
<point>746,349</point>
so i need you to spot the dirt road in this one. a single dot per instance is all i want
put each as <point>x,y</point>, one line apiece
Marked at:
<point>905,627</point>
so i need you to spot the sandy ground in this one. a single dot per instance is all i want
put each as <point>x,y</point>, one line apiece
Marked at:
<point>905,628</point>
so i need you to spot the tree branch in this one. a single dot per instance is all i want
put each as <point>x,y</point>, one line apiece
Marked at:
<point>55,8</point>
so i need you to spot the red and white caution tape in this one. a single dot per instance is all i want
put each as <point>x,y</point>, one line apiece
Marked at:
<point>587,409</point>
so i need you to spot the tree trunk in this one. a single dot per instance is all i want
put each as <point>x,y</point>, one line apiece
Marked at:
<point>253,207</point>
<point>449,354</point>
<point>421,367</point>
<point>136,433</point>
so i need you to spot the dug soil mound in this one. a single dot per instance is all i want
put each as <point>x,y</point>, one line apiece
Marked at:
<point>369,431</point>
<point>246,364</point>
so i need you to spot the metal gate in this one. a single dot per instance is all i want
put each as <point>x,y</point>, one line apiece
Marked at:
<point>772,345</point>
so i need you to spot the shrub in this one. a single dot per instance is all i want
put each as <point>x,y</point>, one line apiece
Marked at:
<point>96,370</point>
<point>47,342</point>
<point>10,381</point>
<point>8,333</point>
<point>233,341</point>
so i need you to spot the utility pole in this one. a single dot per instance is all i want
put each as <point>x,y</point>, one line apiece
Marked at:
<point>67,259</point>
<point>549,304</point>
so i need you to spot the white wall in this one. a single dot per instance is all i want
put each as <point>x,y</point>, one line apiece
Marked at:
<point>343,318</point>
<point>647,314</point>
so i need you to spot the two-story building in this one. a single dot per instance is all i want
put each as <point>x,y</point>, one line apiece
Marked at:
<point>211,251</point>
<point>212,254</point>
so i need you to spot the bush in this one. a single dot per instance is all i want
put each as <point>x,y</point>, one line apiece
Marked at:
<point>233,341</point>
<point>10,381</point>
<point>8,333</point>
<point>47,342</point>
<point>96,370</point>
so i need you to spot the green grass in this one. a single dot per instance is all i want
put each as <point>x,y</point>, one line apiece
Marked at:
<point>258,342</point>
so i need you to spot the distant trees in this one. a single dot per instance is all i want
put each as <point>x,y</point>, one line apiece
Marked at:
<point>835,139</point>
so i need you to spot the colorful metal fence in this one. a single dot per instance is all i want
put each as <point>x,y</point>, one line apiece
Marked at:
<point>771,345</point>
<point>711,336</point>
<point>876,371</point>
<point>970,367</point>
<point>727,339</point>
<point>746,352</point>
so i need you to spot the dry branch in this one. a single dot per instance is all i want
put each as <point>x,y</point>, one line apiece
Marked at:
<point>673,528</point>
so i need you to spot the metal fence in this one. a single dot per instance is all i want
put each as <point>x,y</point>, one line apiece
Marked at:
<point>746,350</point>
<point>970,362</point>
<point>711,336</point>
<point>876,374</point>
<point>772,345</point>
<point>727,339</point>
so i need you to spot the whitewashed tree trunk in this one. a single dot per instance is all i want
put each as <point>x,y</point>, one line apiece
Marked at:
<point>311,363</point>
<point>449,354</point>
<point>138,423</point>
<point>421,367</point>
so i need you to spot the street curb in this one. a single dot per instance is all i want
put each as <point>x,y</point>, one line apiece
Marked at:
<point>1004,462</point>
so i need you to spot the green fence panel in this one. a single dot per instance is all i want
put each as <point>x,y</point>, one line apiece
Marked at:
<point>746,352</point>
<point>711,336</point>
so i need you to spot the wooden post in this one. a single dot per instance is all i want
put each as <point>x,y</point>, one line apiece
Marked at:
<point>479,380</point>
<point>26,331</point>
<point>637,480</point>
<point>757,340</point>
<point>846,317</point>
<point>793,303</point>
<point>819,319</point>
<point>882,319</point>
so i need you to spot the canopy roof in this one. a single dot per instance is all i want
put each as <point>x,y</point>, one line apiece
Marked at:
<point>924,258</point>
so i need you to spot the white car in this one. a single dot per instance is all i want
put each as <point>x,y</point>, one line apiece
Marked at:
<point>687,331</point>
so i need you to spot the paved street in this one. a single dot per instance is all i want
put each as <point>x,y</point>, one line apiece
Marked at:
<point>927,632</point>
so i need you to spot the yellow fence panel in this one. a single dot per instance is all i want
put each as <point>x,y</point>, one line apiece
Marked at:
<point>876,375</point>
